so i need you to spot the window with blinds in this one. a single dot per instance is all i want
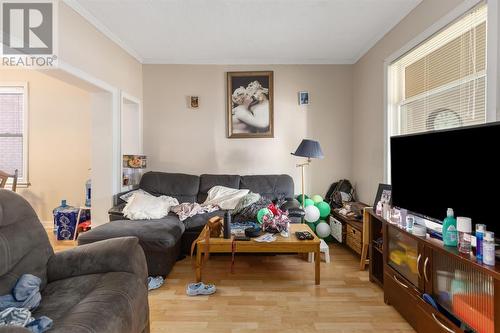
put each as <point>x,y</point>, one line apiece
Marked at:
<point>441,83</point>
<point>12,128</point>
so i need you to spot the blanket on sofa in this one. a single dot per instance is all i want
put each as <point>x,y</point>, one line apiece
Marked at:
<point>224,197</point>
<point>144,206</point>
<point>189,209</point>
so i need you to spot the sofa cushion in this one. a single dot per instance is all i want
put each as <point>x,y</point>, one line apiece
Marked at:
<point>269,186</point>
<point>178,185</point>
<point>197,222</point>
<point>154,235</point>
<point>108,302</point>
<point>209,181</point>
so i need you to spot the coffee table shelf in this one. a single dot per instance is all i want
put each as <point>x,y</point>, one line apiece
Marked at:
<point>280,245</point>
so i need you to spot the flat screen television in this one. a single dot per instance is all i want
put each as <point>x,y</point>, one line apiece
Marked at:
<point>456,169</point>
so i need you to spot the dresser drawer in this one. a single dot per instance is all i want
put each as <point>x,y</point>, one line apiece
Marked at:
<point>354,234</point>
<point>353,243</point>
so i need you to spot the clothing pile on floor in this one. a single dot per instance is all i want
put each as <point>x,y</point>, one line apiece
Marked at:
<point>16,307</point>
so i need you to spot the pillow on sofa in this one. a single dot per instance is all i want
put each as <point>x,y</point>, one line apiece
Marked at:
<point>144,206</point>
<point>224,197</point>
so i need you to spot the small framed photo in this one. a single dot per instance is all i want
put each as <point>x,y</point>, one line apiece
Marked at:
<point>384,194</point>
<point>303,98</point>
<point>194,102</point>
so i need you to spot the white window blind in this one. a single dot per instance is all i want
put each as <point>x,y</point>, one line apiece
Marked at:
<point>12,128</point>
<point>441,83</point>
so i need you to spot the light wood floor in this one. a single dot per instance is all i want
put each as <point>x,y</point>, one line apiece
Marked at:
<point>272,294</point>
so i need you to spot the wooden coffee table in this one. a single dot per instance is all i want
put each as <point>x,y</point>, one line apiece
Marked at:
<point>280,245</point>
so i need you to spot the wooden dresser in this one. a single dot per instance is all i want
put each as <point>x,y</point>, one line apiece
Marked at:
<point>352,231</point>
<point>408,267</point>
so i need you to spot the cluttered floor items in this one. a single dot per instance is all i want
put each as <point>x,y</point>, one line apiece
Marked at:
<point>16,307</point>
<point>155,282</point>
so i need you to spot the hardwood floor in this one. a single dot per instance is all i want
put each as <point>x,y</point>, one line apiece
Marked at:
<point>272,294</point>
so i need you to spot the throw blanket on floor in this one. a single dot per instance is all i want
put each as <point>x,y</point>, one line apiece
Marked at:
<point>15,307</point>
<point>190,209</point>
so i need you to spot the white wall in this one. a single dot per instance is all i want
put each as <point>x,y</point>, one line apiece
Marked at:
<point>179,139</point>
<point>59,137</point>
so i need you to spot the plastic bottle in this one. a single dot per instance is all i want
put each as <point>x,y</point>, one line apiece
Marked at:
<point>88,192</point>
<point>55,211</point>
<point>464,227</point>
<point>480,230</point>
<point>378,209</point>
<point>489,248</point>
<point>227,225</point>
<point>410,221</point>
<point>450,235</point>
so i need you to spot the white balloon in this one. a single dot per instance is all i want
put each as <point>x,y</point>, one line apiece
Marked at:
<point>323,230</point>
<point>312,213</point>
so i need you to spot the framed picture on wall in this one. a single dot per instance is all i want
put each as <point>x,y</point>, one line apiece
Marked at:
<point>303,98</point>
<point>250,105</point>
<point>194,102</point>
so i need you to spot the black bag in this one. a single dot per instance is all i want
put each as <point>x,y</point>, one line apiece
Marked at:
<point>339,193</point>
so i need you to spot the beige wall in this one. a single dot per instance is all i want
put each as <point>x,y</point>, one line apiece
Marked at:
<point>81,45</point>
<point>368,95</point>
<point>59,140</point>
<point>179,139</point>
<point>84,48</point>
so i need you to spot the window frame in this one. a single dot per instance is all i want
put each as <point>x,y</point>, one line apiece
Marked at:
<point>492,60</point>
<point>24,181</point>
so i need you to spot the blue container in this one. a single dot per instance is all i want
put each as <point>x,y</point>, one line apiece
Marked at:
<point>54,213</point>
<point>65,220</point>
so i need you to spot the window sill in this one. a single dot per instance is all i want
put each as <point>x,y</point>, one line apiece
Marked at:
<point>19,185</point>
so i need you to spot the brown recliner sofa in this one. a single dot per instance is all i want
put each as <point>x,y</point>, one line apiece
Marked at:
<point>99,287</point>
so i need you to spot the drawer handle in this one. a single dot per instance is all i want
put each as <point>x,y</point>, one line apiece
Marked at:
<point>443,326</point>
<point>425,269</point>
<point>418,265</point>
<point>399,282</point>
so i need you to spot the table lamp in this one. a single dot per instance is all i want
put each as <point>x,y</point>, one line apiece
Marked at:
<point>310,149</point>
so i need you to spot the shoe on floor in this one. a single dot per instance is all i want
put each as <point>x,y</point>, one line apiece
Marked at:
<point>194,289</point>
<point>155,282</point>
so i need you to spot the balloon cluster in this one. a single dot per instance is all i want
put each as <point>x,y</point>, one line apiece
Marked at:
<point>316,211</point>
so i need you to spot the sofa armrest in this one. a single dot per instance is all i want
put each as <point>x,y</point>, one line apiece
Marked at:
<point>122,254</point>
<point>116,212</point>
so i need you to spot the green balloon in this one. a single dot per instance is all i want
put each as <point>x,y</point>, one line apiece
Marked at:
<point>261,213</point>
<point>308,202</point>
<point>324,209</point>
<point>299,197</point>
<point>317,198</point>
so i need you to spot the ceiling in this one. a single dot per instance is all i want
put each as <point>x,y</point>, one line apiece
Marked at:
<point>245,31</point>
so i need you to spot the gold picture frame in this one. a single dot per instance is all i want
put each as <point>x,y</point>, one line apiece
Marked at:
<point>250,104</point>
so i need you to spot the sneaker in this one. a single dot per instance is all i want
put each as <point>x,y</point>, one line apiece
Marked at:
<point>155,282</point>
<point>194,289</point>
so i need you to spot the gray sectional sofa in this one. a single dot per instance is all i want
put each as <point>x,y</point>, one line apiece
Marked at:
<point>164,240</point>
<point>91,288</point>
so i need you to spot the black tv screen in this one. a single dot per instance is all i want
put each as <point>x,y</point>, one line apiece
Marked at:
<point>456,169</point>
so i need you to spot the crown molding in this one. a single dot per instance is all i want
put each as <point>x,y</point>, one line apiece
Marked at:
<point>246,61</point>
<point>77,7</point>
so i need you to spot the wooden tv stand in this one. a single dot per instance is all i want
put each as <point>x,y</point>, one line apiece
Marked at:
<point>407,266</point>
